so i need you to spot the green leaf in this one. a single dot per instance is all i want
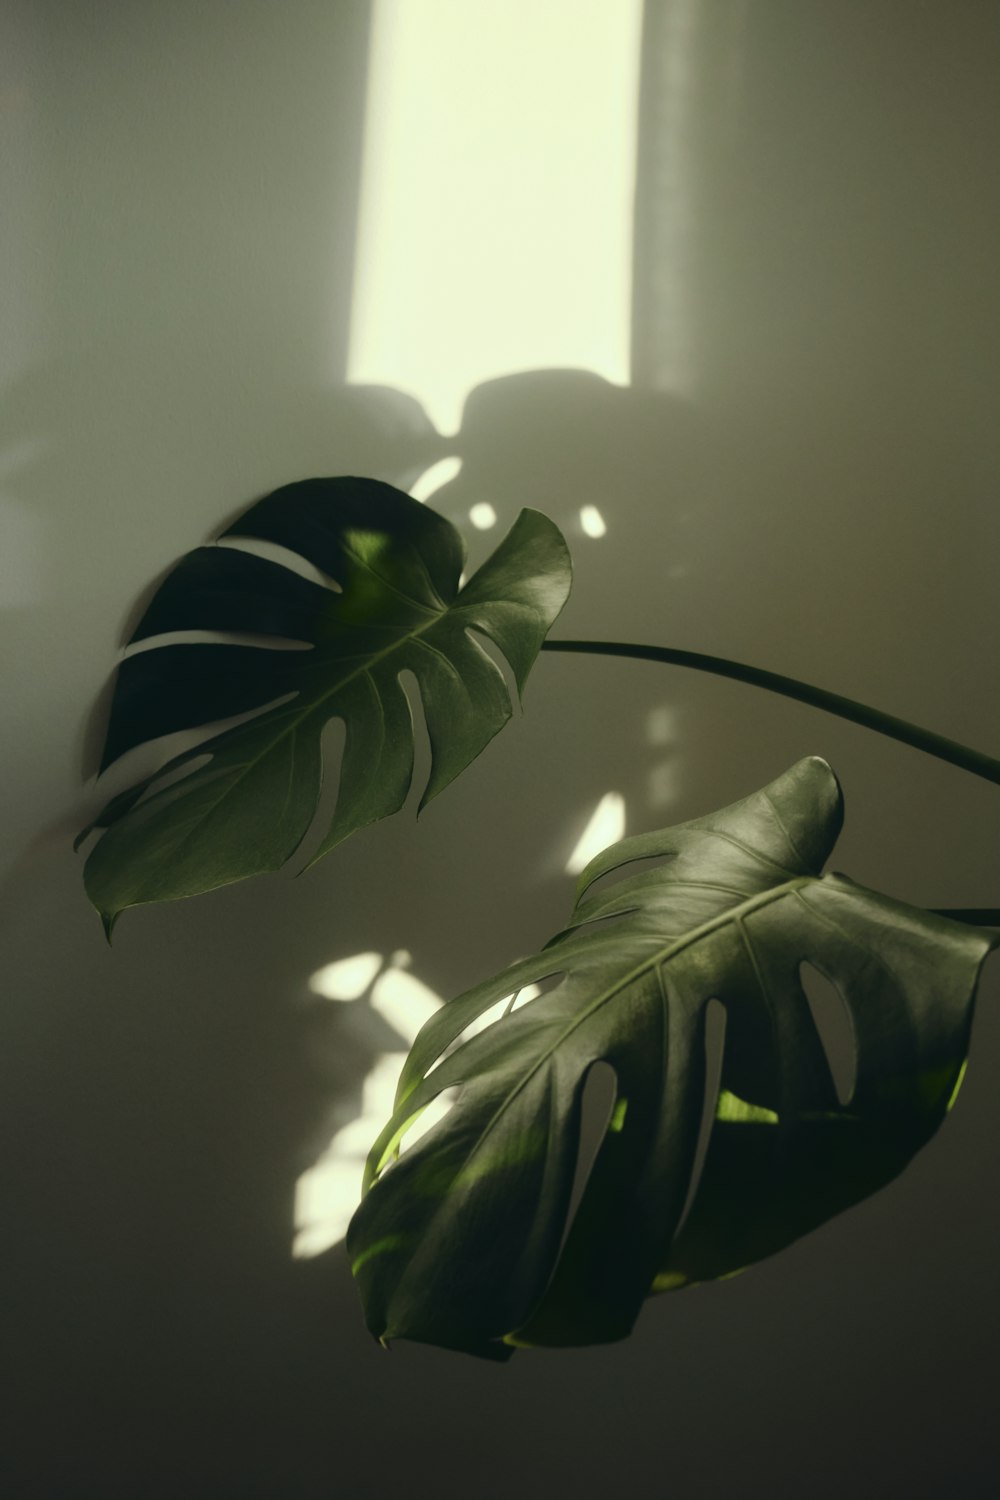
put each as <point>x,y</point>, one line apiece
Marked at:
<point>395,606</point>
<point>460,1242</point>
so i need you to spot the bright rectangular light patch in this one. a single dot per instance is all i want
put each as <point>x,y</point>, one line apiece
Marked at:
<point>497,190</point>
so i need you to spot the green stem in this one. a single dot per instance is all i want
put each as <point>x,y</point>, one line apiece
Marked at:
<point>789,687</point>
<point>975,916</point>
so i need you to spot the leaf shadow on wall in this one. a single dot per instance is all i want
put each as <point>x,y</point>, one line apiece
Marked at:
<point>158,1126</point>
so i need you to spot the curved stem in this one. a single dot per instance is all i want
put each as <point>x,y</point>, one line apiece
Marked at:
<point>789,687</point>
<point>974,916</point>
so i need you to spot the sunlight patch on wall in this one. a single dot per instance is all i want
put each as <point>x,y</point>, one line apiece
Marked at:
<point>495,228</point>
<point>435,478</point>
<point>403,1001</point>
<point>592,523</point>
<point>606,826</point>
<point>483,516</point>
<point>327,1194</point>
<point>348,978</point>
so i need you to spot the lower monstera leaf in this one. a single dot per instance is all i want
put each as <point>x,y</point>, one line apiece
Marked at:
<point>463,1240</point>
<point>394,605</point>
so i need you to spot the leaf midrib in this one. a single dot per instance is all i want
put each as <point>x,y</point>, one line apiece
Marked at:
<point>656,961</point>
<point>297,722</point>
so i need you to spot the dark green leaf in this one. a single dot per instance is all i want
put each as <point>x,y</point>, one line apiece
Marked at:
<point>395,606</point>
<point>460,1242</point>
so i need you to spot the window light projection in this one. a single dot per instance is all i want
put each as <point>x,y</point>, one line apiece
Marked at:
<point>606,826</point>
<point>592,522</point>
<point>495,226</point>
<point>327,1194</point>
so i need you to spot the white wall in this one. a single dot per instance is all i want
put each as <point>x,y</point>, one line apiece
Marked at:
<point>814,492</point>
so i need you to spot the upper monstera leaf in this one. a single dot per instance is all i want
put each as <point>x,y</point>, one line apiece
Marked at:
<point>462,1240</point>
<point>395,605</point>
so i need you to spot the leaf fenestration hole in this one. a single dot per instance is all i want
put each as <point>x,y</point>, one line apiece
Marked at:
<point>198,763</point>
<point>145,758</point>
<point>492,650</point>
<point>497,1011</point>
<point>275,552</point>
<point>832,1020</point>
<point>715,1046</point>
<point>422,754</point>
<point>490,1017</point>
<point>435,1112</point>
<point>333,737</point>
<point>600,1091</point>
<point>216,638</point>
<point>534,991</point>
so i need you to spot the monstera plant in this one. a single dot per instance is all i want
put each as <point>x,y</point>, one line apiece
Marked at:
<point>394,604</point>
<point>471,1239</point>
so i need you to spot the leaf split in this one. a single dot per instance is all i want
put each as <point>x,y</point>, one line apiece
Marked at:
<point>398,607</point>
<point>461,1241</point>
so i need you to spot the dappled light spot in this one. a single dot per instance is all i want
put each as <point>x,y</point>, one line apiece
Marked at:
<point>606,826</point>
<point>434,478</point>
<point>405,1002</point>
<point>661,726</point>
<point>664,784</point>
<point>832,1020</point>
<point>662,732</point>
<point>592,523</point>
<point>325,1198</point>
<point>327,1194</point>
<point>483,516</point>
<point>348,978</point>
<point>736,1111</point>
